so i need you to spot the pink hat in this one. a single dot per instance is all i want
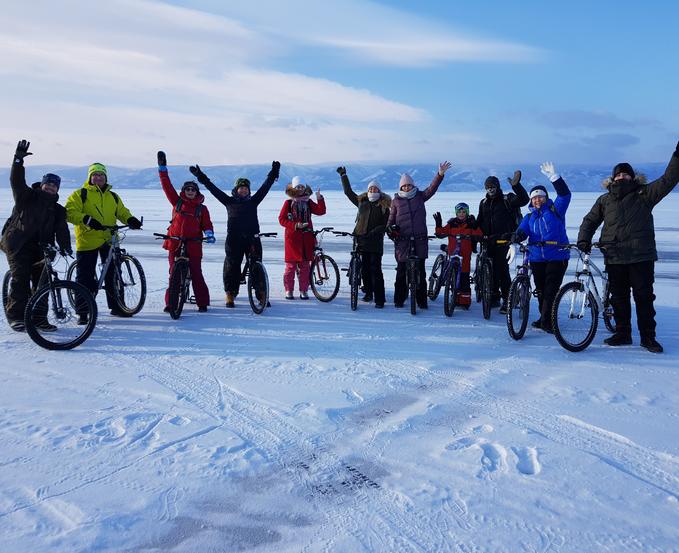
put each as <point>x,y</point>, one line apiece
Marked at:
<point>405,179</point>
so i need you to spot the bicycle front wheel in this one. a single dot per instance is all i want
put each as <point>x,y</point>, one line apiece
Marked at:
<point>486,289</point>
<point>258,287</point>
<point>575,317</point>
<point>178,289</point>
<point>6,289</point>
<point>435,277</point>
<point>450,292</point>
<point>53,323</point>
<point>324,278</point>
<point>354,281</point>
<point>518,307</point>
<point>130,285</point>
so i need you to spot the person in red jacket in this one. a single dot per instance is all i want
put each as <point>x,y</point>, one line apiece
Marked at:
<point>190,219</point>
<point>463,224</point>
<point>295,216</point>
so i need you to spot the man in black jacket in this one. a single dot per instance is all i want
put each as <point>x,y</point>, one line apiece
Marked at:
<point>242,223</point>
<point>628,242</point>
<point>497,219</point>
<point>36,219</point>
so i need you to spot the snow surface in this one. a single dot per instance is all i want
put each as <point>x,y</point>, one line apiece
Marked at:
<point>314,428</point>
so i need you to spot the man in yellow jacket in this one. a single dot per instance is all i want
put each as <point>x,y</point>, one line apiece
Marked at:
<point>90,209</point>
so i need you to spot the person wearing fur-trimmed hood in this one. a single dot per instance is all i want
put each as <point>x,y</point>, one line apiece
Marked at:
<point>628,245</point>
<point>371,224</point>
<point>295,217</point>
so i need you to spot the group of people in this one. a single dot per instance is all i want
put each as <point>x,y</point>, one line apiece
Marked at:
<point>625,211</point>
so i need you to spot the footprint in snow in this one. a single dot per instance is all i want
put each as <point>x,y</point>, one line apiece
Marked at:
<point>528,462</point>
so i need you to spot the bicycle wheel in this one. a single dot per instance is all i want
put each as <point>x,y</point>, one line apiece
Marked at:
<point>178,288</point>
<point>486,288</point>
<point>6,288</point>
<point>354,281</point>
<point>450,292</point>
<point>518,307</point>
<point>258,287</point>
<point>130,285</point>
<point>575,317</point>
<point>435,277</point>
<point>52,322</point>
<point>71,274</point>
<point>412,285</point>
<point>324,278</point>
<point>609,319</point>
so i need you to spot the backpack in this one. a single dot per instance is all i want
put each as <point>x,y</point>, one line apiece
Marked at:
<point>515,211</point>
<point>178,208</point>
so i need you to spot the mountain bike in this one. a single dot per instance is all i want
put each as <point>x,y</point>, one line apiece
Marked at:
<point>324,273</point>
<point>129,281</point>
<point>575,314</point>
<point>449,274</point>
<point>354,269</point>
<point>483,276</point>
<point>53,312</point>
<point>255,275</point>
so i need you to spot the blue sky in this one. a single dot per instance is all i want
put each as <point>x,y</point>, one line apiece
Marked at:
<point>313,82</point>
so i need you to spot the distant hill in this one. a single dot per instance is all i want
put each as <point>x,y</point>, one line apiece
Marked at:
<point>584,178</point>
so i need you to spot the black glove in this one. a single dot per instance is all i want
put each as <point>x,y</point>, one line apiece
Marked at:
<point>196,172</point>
<point>275,169</point>
<point>393,231</point>
<point>341,171</point>
<point>585,246</point>
<point>438,220</point>
<point>514,237</point>
<point>22,151</point>
<point>516,179</point>
<point>134,223</point>
<point>162,159</point>
<point>676,150</point>
<point>92,223</point>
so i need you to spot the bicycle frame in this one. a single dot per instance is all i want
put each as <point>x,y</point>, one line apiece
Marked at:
<point>114,251</point>
<point>586,277</point>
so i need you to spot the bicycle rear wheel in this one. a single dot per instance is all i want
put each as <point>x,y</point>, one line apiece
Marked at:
<point>575,317</point>
<point>486,288</point>
<point>258,287</point>
<point>412,285</point>
<point>130,285</point>
<point>450,292</point>
<point>178,289</point>
<point>324,278</point>
<point>518,307</point>
<point>435,277</point>
<point>6,289</point>
<point>354,281</point>
<point>52,322</point>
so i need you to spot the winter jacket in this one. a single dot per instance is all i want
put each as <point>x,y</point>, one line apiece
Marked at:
<point>494,218</point>
<point>548,223</point>
<point>100,205</point>
<point>241,213</point>
<point>36,216</point>
<point>189,217</point>
<point>626,212</point>
<point>454,227</point>
<point>371,219</point>
<point>411,216</point>
<point>299,244</point>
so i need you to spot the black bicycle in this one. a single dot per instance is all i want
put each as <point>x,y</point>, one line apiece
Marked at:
<point>354,269</point>
<point>483,275</point>
<point>324,276</point>
<point>255,276</point>
<point>54,313</point>
<point>450,274</point>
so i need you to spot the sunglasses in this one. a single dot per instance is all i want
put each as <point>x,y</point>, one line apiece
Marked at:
<point>190,189</point>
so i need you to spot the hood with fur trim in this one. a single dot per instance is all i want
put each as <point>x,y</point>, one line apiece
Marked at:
<point>292,192</point>
<point>384,202</point>
<point>639,180</point>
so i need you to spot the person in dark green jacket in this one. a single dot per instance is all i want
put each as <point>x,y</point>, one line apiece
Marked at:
<point>371,224</point>
<point>628,244</point>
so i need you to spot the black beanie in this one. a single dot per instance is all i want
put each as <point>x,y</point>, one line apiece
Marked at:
<point>51,178</point>
<point>492,181</point>
<point>191,183</point>
<point>623,168</point>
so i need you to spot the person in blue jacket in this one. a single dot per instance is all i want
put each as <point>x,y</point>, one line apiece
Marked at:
<point>546,222</point>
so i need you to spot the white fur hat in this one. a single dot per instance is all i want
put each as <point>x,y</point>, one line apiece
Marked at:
<point>297,181</point>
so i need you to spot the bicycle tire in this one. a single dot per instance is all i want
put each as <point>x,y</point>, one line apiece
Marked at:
<point>571,297</point>
<point>477,279</point>
<point>324,278</point>
<point>412,285</point>
<point>518,307</point>
<point>177,290</point>
<point>608,314</point>
<point>72,273</point>
<point>435,275</point>
<point>6,288</point>
<point>130,288</point>
<point>354,282</point>
<point>258,287</point>
<point>450,292</point>
<point>58,311</point>
<point>486,288</point>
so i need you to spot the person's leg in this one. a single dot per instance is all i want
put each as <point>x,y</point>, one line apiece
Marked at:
<point>554,273</point>
<point>401,284</point>
<point>170,258</point>
<point>505,280</point>
<point>421,285</point>
<point>85,275</point>
<point>642,276</point>
<point>619,285</point>
<point>20,267</point>
<point>109,279</point>
<point>289,277</point>
<point>377,279</point>
<point>366,275</point>
<point>539,270</point>
<point>235,250</point>
<point>200,289</point>
<point>304,271</point>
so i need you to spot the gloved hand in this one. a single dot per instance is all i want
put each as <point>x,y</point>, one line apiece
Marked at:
<point>162,160</point>
<point>444,166</point>
<point>210,235</point>
<point>393,231</point>
<point>275,169</point>
<point>22,151</point>
<point>516,179</point>
<point>438,219</point>
<point>585,246</point>
<point>549,171</point>
<point>300,226</point>
<point>676,150</point>
<point>196,172</point>
<point>511,254</point>
<point>92,223</point>
<point>134,223</point>
<point>341,171</point>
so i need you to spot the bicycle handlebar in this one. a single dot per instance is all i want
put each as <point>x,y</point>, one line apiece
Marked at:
<point>265,234</point>
<point>179,238</point>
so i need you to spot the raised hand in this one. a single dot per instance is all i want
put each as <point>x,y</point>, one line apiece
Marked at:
<point>319,196</point>
<point>162,159</point>
<point>196,172</point>
<point>341,170</point>
<point>443,167</point>
<point>22,150</point>
<point>438,219</point>
<point>275,169</point>
<point>516,179</point>
<point>548,169</point>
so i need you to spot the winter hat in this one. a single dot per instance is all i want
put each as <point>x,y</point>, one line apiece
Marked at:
<point>623,168</point>
<point>405,179</point>
<point>538,190</point>
<point>241,181</point>
<point>96,168</point>
<point>462,207</point>
<point>375,184</point>
<point>191,183</point>
<point>51,178</point>
<point>291,189</point>
<point>492,182</point>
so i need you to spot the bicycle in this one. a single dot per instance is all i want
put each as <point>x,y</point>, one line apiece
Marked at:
<point>354,269</point>
<point>54,312</point>
<point>449,274</point>
<point>575,314</point>
<point>483,276</point>
<point>129,281</point>
<point>324,273</point>
<point>257,279</point>
<point>412,271</point>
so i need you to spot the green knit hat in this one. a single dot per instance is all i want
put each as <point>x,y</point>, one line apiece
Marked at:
<point>96,168</point>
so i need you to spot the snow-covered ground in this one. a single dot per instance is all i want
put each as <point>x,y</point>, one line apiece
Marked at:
<point>314,428</point>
